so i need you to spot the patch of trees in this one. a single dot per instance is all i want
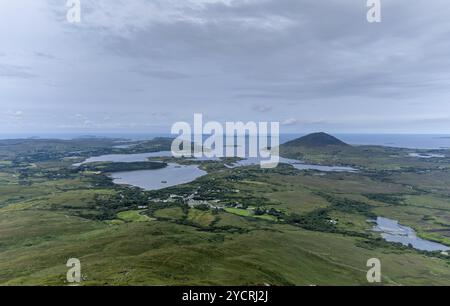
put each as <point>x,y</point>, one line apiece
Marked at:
<point>102,181</point>
<point>375,243</point>
<point>259,211</point>
<point>317,220</point>
<point>202,207</point>
<point>273,212</point>
<point>348,205</point>
<point>126,199</point>
<point>385,198</point>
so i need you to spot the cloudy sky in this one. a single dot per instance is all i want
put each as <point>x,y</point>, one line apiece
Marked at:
<point>141,65</point>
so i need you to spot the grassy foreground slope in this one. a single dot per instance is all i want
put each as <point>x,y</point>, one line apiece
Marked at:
<point>161,253</point>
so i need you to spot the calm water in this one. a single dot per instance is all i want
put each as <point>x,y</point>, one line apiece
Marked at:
<point>394,232</point>
<point>172,175</point>
<point>411,141</point>
<point>124,146</point>
<point>426,155</point>
<point>297,164</point>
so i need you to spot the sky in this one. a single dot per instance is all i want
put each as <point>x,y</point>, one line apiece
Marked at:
<point>142,65</point>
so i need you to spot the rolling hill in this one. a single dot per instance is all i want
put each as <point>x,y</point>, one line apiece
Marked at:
<point>316,140</point>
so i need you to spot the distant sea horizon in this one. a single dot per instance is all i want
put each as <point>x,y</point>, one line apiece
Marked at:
<point>410,141</point>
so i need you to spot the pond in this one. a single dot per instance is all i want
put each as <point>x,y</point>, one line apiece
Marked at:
<point>426,155</point>
<point>172,175</point>
<point>392,231</point>
<point>297,164</point>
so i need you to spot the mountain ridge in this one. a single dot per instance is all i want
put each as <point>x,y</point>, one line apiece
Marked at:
<point>317,140</point>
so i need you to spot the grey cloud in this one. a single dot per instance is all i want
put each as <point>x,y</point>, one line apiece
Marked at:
<point>314,62</point>
<point>262,108</point>
<point>15,71</point>
<point>44,55</point>
<point>327,50</point>
<point>163,74</point>
<point>290,121</point>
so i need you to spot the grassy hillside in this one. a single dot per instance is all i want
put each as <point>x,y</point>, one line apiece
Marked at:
<point>316,140</point>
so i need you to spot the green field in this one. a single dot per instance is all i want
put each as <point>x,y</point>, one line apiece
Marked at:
<point>133,216</point>
<point>249,213</point>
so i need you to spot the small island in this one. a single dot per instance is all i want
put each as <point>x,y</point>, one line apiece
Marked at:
<point>108,167</point>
